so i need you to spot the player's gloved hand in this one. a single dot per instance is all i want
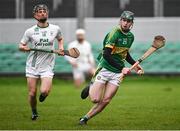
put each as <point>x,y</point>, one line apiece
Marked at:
<point>126,71</point>
<point>139,70</point>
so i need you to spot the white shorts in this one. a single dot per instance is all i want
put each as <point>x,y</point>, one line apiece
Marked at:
<point>80,71</point>
<point>105,75</point>
<point>35,73</point>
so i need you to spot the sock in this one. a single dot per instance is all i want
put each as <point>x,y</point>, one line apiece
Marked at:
<point>86,118</point>
<point>34,111</point>
<point>42,97</point>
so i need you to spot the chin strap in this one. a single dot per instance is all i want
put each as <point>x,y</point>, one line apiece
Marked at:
<point>131,26</point>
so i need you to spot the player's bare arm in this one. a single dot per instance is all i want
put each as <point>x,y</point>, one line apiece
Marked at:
<point>61,45</point>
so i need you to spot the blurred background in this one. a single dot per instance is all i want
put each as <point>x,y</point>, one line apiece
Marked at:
<point>97,17</point>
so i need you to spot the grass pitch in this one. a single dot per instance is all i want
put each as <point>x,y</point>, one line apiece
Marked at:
<point>141,103</point>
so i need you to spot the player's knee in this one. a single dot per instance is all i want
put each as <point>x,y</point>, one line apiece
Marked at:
<point>95,100</point>
<point>106,101</point>
<point>45,91</point>
<point>32,93</point>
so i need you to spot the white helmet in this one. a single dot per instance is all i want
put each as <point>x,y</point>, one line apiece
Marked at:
<point>80,31</point>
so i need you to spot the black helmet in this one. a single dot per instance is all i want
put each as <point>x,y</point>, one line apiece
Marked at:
<point>40,6</point>
<point>127,15</point>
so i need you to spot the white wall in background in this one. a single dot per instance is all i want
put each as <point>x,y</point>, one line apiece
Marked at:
<point>144,29</point>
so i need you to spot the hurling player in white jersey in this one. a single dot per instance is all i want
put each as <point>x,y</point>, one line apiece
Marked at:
<point>84,64</point>
<point>39,65</point>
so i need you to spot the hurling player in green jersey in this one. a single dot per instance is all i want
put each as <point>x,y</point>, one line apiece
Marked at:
<point>106,79</point>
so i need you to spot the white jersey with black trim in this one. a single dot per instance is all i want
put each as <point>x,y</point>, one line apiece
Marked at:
<point>41,38</point>
<point>86,56</point>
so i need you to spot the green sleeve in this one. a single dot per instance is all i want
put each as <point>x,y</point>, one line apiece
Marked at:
<point>111,39</point>
<point>133,38</point>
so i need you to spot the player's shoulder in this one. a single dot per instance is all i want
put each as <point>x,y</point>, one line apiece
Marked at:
<point>130,34</point>
<point>54,26</point>
<point>87,43</point>
<point>115,30</point>
<point>73,43</point>
<point>31,29</point>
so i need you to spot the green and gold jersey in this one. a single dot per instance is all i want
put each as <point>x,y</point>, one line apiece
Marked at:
<point>120,44</point>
